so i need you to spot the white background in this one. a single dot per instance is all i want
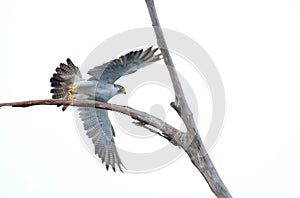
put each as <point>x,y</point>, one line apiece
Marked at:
<point>255,46</point>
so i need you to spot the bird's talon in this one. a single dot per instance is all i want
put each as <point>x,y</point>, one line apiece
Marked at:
<point>71,89</point>
<point>70,97</point>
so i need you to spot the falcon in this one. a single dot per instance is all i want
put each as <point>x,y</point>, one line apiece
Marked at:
<point>67,83</point>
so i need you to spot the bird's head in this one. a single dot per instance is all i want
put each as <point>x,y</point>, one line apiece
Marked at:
<point>120,89</point>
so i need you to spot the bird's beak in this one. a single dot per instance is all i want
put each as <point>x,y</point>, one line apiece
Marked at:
<point>123,90</point>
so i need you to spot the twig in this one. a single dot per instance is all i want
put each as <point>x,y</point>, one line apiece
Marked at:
<point>193,143</point>
<point>143,125</point>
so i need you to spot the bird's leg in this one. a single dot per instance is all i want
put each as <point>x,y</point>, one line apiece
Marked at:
<point>70,91</point>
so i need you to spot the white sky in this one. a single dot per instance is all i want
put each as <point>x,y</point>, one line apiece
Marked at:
<point>255,46</point>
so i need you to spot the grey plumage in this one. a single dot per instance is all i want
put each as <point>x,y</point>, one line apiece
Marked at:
<point>126,64</point>
<point>68,83</point>
<point>100,130</point>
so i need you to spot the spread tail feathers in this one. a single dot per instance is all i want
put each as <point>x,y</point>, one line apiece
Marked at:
<point>63,79</point>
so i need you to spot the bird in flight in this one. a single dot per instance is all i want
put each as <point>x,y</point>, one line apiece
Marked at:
<point>67,83</point>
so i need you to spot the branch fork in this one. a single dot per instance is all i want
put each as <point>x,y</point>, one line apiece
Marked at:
<point>190,140</point>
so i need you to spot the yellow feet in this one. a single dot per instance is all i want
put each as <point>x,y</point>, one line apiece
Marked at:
<point>70,97</point>
<point>70,91</point>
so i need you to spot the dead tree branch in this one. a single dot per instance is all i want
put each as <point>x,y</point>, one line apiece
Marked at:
<point>163,129</point>
<point>193,144</point>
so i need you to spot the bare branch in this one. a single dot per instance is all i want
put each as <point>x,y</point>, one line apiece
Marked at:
<point>193,144</point>
<point>163,129</point>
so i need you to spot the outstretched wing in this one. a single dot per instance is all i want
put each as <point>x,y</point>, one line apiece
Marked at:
<point>97,124</point>
<point>111,71</point>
